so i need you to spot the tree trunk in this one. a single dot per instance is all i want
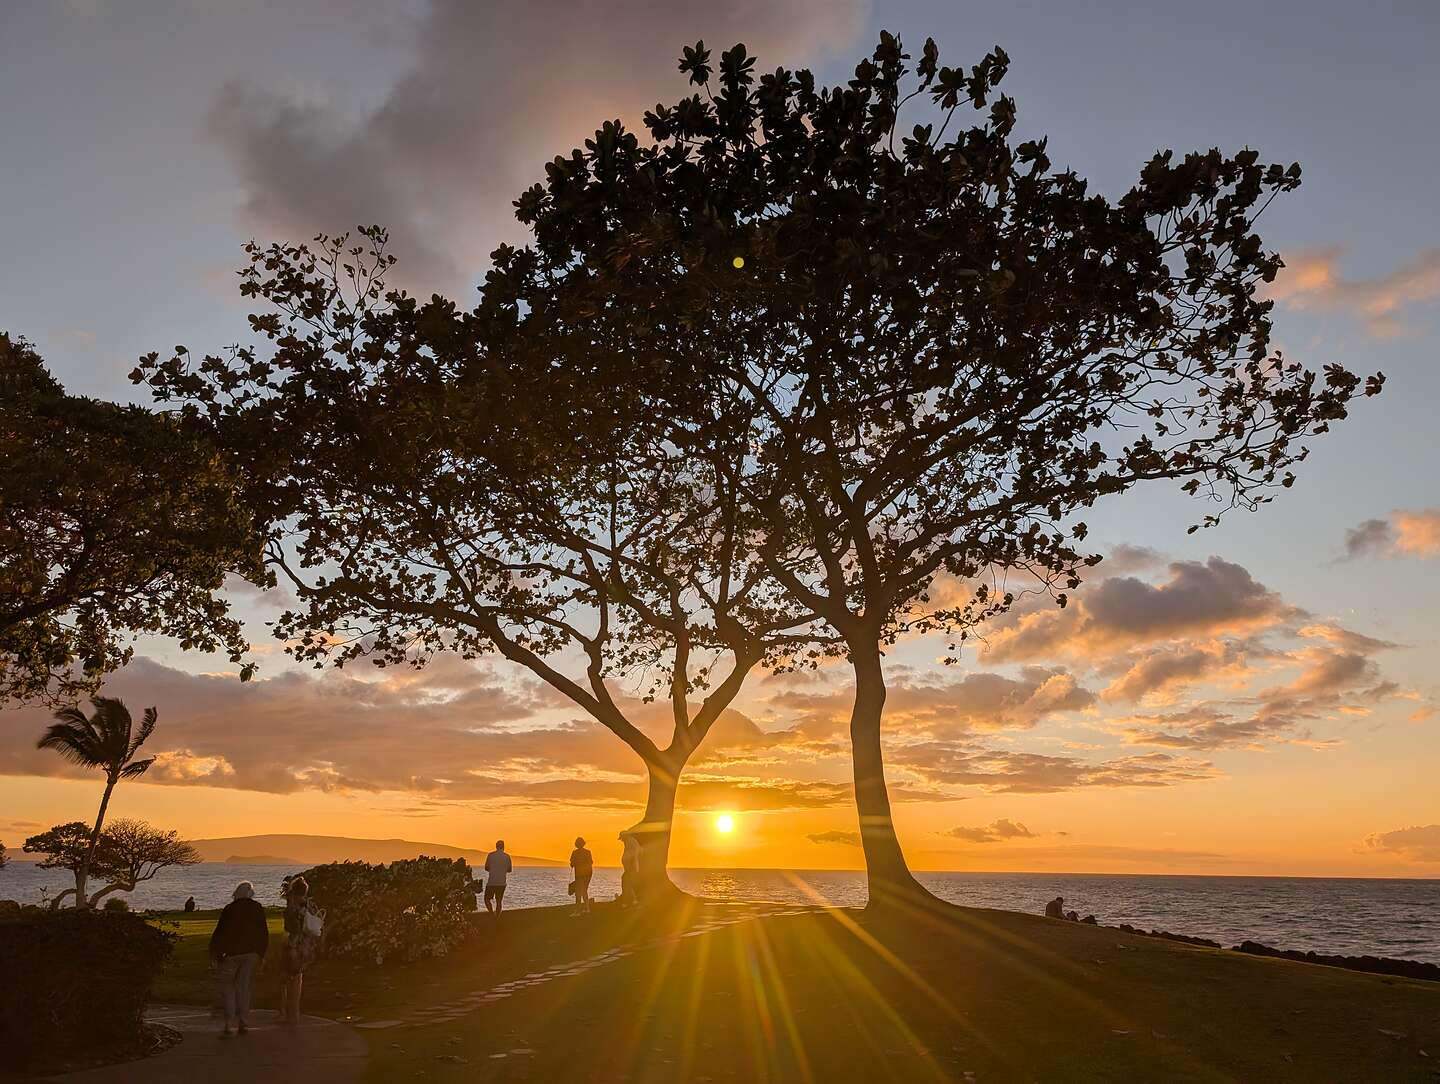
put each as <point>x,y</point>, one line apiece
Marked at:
<point>890,879</point>
<point>58,900</point>
<point>83,873</point>
<point>654,830</point>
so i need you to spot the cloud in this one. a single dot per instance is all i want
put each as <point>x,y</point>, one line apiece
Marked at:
<point>1412,533</point>
<point>493,93</point>
<point>453,730</point>
<point>1418,533</point>
<point>1163,673</point>
<point>1207,600</point>
<point>993,832</point>
<point>1420,843</point>
<point>848,839</point>
<point>1372,536</point>
<point>916,702</point>
<point>1008,772</point>
<point>1311,280</point>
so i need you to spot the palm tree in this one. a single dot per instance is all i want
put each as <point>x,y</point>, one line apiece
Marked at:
<point>107,740</point>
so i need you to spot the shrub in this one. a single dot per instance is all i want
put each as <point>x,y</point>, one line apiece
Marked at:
<point>75,979</point>
<point>406,911</point>
<point>116,903</point>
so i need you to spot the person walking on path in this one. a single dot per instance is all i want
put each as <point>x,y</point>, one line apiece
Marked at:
<point>302,943</point>
<point>237,948</point>
<point>583,863</point>
<point>497,872</point>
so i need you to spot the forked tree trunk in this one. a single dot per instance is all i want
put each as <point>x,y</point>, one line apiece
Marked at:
<point>889,876</point>
<point>655,828</point>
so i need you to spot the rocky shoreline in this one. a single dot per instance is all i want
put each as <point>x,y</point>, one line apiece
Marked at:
<point>1375,965</point>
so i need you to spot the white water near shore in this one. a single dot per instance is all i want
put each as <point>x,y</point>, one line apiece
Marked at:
<point>1350,916</point>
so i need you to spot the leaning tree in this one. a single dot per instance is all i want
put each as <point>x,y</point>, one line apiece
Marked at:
<point>136,851</point>
<point>108,740</point>
<point>945,347</point>
<point>475,482</point>
<point>114,521</point>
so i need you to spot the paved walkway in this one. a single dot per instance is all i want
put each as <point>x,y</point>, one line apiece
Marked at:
<point>721,915</point>
<point>323,1051</point>
<point>317,1052</point>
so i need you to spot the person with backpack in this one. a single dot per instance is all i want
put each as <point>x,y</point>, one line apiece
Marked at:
<point>237,948</point>
<point>303,927</point>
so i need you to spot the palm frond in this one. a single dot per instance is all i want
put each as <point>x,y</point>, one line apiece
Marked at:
<point>137,768</point>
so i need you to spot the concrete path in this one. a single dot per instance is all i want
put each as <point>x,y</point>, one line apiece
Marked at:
<point>721,915</point>
<point>316,1051</point>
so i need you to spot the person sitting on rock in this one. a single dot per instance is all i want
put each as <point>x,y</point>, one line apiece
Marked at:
<point>1055,908</point>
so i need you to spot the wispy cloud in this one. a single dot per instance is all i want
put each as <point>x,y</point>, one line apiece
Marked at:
<point>1406,533</point>
<point>994,832</point>
<point>1311,279</point>
<point>1421,843</point>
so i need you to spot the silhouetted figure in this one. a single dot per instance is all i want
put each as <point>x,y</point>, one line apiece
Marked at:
<point>1072,916</point>
<point>190,905</point>
<point>1055,908</point>
<point>629,870</point>
<point>497,873</point>
<point>237,947</point>
<point>303,926</point>
<point>583,863</point>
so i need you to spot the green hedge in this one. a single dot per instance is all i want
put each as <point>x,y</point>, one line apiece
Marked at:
<point>408,910</point>
<point>72,980</point>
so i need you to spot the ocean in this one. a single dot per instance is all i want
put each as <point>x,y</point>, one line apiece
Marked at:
<point>1351,916</point>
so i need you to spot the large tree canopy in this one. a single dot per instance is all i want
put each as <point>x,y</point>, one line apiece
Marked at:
<point>947,348</point>
<point>113,521</point>
<point>871,350</point>
<point>436,481</point>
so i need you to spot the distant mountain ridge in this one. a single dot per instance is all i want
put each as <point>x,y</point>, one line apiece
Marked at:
<point>304,850</point>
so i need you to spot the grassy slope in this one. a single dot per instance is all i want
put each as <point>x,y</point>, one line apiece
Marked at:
<point>841,996</point>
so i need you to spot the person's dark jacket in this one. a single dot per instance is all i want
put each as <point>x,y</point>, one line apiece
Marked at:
<point>241,929</point>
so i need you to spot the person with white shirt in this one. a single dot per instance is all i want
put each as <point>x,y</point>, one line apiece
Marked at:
<point>497,871</point>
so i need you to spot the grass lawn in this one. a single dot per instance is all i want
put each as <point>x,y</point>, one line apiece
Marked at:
<point>840,995</point>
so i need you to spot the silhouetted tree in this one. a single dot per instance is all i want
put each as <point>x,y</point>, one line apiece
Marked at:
<point>68,847</point>
<point>136,852</point>
<point>107,740</point>
<point>439,480</point>
<point>946,348</point>
<point>4,858</point>
<point>113,520</point>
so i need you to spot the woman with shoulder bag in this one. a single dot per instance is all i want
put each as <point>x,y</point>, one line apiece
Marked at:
<point>303,927</point>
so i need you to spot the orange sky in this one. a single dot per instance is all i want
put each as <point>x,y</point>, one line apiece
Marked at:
<point>1255,699</point>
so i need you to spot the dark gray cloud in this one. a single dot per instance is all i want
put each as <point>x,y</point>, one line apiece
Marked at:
<point>494,92</point>
<point>1369,538</point>
<point>1207,599</point>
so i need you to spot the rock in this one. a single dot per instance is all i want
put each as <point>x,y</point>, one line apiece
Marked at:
<point>1377,965</point>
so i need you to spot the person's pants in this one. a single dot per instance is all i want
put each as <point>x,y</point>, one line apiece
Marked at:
<point>235,972</point>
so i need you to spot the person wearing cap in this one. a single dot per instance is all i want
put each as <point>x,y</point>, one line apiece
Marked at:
<point>583,863</point>
<point>237,948</point>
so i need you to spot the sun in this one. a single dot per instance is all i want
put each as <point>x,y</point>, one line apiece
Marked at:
<point>724,824</point>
